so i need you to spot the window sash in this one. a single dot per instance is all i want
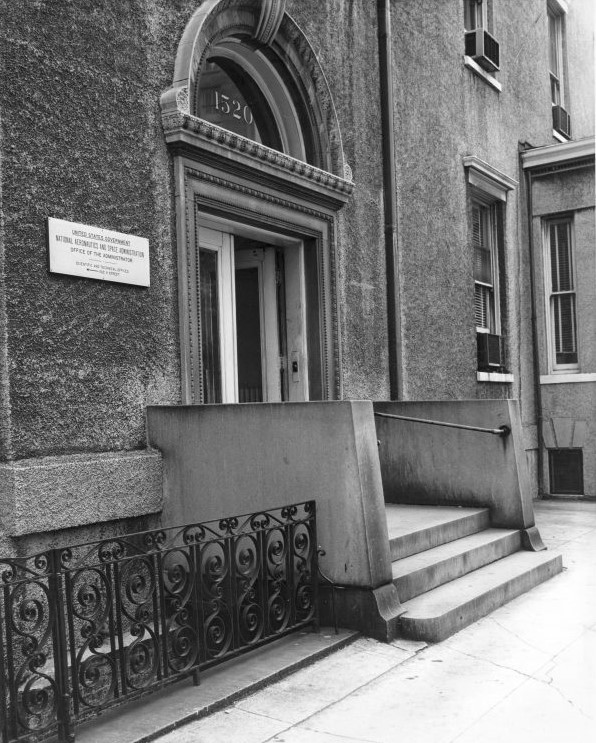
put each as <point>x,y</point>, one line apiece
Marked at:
<point>210,325</point>
<point>555,57</point>
<point>562,308</point>
<point>478,14</point>
<point>484,242</point>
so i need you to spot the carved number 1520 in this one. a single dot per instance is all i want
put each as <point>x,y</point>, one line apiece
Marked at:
<point>232,107</point>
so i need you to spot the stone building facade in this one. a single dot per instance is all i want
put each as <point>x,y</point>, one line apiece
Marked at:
<point>250,131</point>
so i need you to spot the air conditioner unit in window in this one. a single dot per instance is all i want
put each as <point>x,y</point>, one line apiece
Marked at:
<point>483,49</point>
<point>491,351</point>
<point>561,121</point>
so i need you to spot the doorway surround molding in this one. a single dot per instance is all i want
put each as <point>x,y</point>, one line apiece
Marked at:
<point>224,175</point>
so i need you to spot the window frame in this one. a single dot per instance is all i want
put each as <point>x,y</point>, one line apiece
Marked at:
<point>482,8</point>
<point>556,13</point>
<point>275,93</point>
<point>490,186</point>
<point>549,294</point>
<point>490,216</point>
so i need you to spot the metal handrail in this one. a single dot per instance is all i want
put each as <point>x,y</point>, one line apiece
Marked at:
<point>501,431</point>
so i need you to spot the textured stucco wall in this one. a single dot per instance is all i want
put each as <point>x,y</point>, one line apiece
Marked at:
<point>580,66</point>
<point>344,36</point>
<point>445,111</point>
<point>569,193</point>
<point>569,409</point>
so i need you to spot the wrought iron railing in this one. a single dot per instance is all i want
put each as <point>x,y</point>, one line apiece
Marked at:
<point>503,431</point>
<point>90,626</point>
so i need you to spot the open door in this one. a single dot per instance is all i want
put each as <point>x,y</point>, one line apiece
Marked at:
<point>253,319</point>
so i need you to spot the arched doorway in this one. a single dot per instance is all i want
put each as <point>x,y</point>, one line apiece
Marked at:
<point>259,178</point>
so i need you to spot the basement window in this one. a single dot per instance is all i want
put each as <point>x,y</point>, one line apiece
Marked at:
<point>566,469</point>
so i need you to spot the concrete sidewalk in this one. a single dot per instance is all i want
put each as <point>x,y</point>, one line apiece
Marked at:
<point>525,673</point>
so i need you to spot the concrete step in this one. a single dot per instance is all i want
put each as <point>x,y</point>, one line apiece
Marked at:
<point>413,529</point>
<point>426,570</point>
<point>159,713</point>
<point>441,612</point>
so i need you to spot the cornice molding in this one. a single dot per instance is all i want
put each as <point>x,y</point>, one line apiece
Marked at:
<point>188,132</point>
<point>558,154</point>
<point>488,179</point>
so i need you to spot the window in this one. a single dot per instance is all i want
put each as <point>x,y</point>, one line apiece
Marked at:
<point>240,89</point>
<point>488,195</point>
<point>556,37</point>
<point>486,282</point>
<point>560,291</point>
<point>229,98</point>
<point>480,45</point>
<point>478,14</point>
<point>566,471</point>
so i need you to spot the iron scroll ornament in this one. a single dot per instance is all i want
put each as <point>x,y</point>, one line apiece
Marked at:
<point>86,627</point>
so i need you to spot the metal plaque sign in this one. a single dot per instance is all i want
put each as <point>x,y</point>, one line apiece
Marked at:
<point>94,253</point>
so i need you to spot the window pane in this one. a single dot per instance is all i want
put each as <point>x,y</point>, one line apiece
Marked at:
<point>481,243</point>
<point>555,91</point>
<point>560,250</point>
<point>483,304</point>
<point>248,333</point>
<point>553,35</point>
<point>565,334</point>
<point>472,14</point>
<point>230,98</point>
<point>210,343</point>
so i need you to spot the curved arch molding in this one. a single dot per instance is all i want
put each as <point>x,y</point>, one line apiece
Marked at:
<point>267,23</point>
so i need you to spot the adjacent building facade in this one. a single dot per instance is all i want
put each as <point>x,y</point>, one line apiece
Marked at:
<point>302,244</point>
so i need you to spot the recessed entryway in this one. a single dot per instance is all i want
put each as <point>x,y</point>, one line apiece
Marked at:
<point>253,315</point>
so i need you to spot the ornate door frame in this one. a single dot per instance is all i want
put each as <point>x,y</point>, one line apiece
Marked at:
<point>225,175</point>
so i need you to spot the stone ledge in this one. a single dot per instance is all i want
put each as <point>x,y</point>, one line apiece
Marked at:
<point>50,493</point>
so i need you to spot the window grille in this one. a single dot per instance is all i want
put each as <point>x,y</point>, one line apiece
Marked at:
<point>566,471</point>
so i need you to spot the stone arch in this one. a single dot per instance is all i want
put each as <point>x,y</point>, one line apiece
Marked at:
<point>265,25</point>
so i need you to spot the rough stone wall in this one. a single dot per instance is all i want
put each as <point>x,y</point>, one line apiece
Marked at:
<point>82,141</point>
<point>4,395</point>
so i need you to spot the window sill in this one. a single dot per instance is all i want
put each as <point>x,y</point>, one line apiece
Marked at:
<point>487,77</point>
<point>494,377</point>
<point>559,137</point>
<point>567,378</point>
